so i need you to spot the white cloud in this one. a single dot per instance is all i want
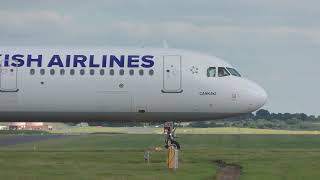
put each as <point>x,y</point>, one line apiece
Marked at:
<point>32,18</point>
<point>183,29</point>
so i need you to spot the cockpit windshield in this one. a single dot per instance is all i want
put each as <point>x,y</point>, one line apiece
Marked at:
<point>234,72</point>
<point>211,72</point>
<point>223,72</point>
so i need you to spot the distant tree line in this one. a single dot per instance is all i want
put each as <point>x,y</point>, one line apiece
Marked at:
<point>263,119</point>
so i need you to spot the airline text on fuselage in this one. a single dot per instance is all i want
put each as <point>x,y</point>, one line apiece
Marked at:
<point>92,61</point>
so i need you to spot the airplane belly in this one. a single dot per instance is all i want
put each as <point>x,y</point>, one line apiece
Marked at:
<point>108,117</point>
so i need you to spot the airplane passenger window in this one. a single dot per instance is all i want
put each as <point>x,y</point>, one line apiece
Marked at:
<point>223,72</point>
<point>131,72</point>
<point>234,72</point>
<point>211,72</point>
<point>141,72</point>
<point>91,72</point>
<point>151,72</point>
<point>32,71</point>
<point>72,72</point>
<point>62,71</point>
<point>82,72</point>
<point>101,72</point>
<point>52,71</point>
<point>111,72</point>
<point>42,71</point>
<point>121,72</point>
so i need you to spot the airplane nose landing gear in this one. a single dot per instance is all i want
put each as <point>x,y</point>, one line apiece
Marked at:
<point>169,130</point>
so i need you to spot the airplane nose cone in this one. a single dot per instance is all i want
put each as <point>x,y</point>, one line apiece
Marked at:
<point>260,97</point>
<point>256,96</point>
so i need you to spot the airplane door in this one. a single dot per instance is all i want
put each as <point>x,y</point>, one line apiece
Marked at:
<point>8,79</point>
<point>172,74</point>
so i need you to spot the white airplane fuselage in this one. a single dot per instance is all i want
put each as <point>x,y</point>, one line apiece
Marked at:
<point>120,85</point>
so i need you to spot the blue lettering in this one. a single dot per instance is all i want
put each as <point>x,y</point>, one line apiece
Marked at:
<point>91,63</point>
<point>38,60</point>
<point>120,61</point>
<point>104,60</point>
<point>68,60</point>
<point>130,61</point>
<point>17,60</point>
<point>133,61</point>
<point>79,59</point>
<point>147,61</point>
<point>55,61</point>
<point>6,60</point>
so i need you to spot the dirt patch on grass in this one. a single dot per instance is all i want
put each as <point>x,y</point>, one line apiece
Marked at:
<point>227,171</point>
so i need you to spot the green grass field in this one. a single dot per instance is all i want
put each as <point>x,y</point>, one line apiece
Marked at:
<point>124,130</point>
<point>120,157</point>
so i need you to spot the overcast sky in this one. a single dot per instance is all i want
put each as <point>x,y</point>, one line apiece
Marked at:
<point>273,42</point>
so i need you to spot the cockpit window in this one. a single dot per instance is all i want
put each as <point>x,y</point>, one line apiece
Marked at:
<point>211,72</point>
<point>223,72</point>
<point>234,72</point>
